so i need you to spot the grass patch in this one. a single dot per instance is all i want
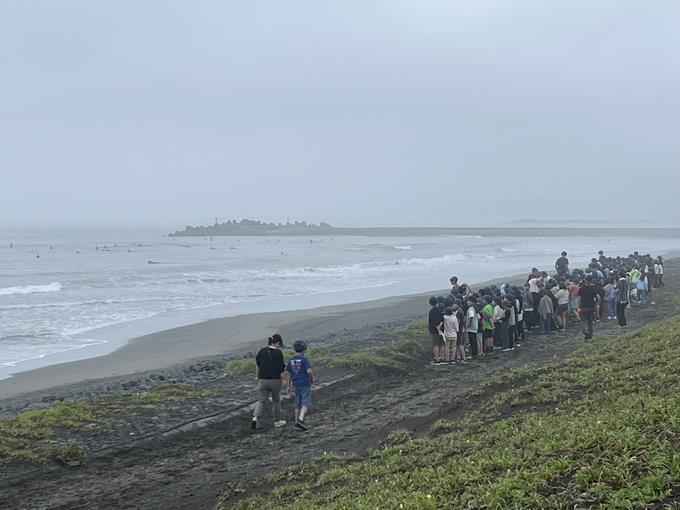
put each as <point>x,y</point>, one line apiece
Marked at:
<point>246,366</point>
<point>442,426</point>
<point>414,329</point>
<point>599,429</point>
<point>396,357</point>
<point>34,436</point>
<point>28,436</point>
<point>397,437</point>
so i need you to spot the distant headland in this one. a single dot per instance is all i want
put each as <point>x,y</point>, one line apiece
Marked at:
<point>255,228</point>
<point>302,228</point>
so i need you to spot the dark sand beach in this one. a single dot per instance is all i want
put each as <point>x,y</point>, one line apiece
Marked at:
<point>218,338</point>
<point>186,453</point>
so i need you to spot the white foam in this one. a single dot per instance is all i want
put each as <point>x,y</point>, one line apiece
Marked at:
<point>13,355</point>
<point>30,289</point>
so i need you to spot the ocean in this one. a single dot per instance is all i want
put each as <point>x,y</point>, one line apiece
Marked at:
<point>64,290</point>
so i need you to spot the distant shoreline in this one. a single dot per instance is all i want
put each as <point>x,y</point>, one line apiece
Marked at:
<point>541,231</point>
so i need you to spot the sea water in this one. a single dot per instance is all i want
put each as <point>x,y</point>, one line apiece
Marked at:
<point>63,290</point>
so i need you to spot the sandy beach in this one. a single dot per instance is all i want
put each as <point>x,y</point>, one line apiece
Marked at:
<point>202,444</point>
<point>183,454</point>
<point>230,337</point>
<point>224,338</point>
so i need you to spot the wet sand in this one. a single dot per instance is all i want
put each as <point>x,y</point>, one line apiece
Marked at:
<point>238,335</point>
<point>137,463</point>
<point>227,337</point>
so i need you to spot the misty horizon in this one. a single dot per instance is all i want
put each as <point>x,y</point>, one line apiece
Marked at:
<point>388,114</point>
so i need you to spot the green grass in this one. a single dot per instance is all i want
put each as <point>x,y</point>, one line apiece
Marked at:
<point>415,329</point>
<point>246,366</point>
<point>31,436</point>
<point>599,429</point>
<point>394,357</point>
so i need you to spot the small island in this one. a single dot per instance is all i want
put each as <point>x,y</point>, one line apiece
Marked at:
<point>302,228</point>
<point>247,227</point>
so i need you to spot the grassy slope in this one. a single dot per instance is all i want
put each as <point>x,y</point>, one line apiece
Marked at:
<point>394,357</point>
<point>600,428</point>
<point>34,436</point>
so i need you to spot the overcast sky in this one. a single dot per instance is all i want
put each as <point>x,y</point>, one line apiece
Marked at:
<point>352,112</point>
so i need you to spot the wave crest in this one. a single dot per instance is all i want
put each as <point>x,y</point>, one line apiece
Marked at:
<point>30,289</point>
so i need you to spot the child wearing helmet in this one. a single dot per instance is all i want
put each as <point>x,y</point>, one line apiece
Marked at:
<point>301,377</point>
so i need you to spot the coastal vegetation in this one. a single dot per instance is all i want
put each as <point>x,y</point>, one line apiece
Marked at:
<point>599,428</point>
<point>247,227</point>
<point>42,435</point>
<point>396,356</point>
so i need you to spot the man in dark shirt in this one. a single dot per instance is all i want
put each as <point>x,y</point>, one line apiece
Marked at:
<point>435,321</point>
<point>270,370</point>
<point>562,265</point>
<point>588,294</point>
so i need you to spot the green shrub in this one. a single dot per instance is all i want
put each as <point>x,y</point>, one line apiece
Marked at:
<point>599,429</point>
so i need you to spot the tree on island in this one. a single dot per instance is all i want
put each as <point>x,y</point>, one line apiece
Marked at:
<point>255,227</point>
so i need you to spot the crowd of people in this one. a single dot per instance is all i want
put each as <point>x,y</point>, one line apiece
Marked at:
<point>467,324</point>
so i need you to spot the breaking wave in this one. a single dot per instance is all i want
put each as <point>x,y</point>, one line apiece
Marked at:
<point>30,289</point>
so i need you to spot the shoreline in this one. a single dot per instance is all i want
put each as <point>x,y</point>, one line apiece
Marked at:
<point>509,231</point>
<point>188,449</point>
<point>187,454</point>
<point>220,338</point>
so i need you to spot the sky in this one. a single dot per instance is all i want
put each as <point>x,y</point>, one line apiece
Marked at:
<point>357,113</point>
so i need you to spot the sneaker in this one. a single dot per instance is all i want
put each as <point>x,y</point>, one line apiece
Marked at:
<point>434,362</point>
<point>300,425</point>
<point>279,423</point>
<point>253,423</point>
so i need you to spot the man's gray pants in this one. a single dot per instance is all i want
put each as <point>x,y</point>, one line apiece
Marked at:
<point>265,389</point>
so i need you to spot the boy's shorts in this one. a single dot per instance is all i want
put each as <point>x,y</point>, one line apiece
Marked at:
<point>574,304</point>
<point>488,333</point>
<point>303,396</point>
<point>437,340</point>
<point>452,340</point>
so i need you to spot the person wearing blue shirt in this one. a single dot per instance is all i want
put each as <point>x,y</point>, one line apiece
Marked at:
<point>301,376</point>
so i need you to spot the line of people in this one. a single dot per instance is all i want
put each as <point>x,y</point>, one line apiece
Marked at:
<point>467,324</point>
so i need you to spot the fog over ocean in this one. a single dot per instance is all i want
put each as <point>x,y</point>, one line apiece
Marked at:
<point>87,282</point>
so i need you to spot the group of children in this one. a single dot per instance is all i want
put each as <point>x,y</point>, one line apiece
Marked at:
<point>467,324</point>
